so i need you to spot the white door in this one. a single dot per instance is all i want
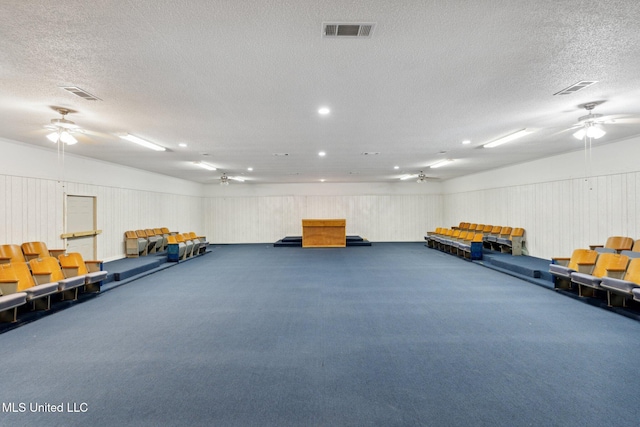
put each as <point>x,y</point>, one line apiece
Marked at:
<point>81,217</point>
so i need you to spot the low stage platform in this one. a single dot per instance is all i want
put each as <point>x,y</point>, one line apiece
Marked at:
<point>528,268</point>
<point>296,242</point>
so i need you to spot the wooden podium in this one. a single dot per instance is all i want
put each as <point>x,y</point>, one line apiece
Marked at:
<point>324,233</point>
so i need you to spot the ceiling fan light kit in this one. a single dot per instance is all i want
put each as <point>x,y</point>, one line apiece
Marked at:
<point>591,130</point>
<point>63,136</point>
<point>589,125</point>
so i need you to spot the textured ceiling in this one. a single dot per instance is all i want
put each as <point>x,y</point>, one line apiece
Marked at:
<point>240,81</point>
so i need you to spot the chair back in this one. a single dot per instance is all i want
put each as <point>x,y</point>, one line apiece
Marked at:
<point>13,253</point>
<point>609,262</point>
<point>582,256</point>
<point>633,271</point>
<point>35,248</point>
<point>619,243</point>
<point>73,260</point>
<point>47,265</point>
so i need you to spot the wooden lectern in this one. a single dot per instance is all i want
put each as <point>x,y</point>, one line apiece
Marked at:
<point>324,233</point>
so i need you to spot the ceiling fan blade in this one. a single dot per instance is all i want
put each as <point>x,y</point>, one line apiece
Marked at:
<point>627,121</point>
<point>619,118</point>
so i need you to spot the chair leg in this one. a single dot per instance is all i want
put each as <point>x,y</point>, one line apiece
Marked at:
<point>9,316</point>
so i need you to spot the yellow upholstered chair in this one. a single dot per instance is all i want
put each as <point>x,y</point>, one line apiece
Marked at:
<point>48,270</point>
<point>73,265</point>
<point>561,268</point>
<point>607,264</point>
<point>38,295</point>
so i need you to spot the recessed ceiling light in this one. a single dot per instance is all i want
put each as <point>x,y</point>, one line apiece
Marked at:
<point>322,180</point>
<point>322,154</point>
<point>182,144</point>
<point>250,169</point>
<point>466,142</point>
<point>396,167</point>
<point>323,111</point>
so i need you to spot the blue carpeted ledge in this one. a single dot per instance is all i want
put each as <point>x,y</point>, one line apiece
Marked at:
<point>532,269</point>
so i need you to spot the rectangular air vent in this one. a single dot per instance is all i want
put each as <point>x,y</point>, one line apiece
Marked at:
<point>348,30</point>
<point>576,87</point>
<point>81,93</point>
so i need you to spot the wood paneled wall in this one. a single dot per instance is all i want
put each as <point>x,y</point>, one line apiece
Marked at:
<point>34,211</point>
<point>558,216</point>
<point>562,202</point>
<point>268,219</point>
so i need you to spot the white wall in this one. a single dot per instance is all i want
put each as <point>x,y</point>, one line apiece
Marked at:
<point>32,193</point>
<point>559,209</point>
<point>562,202</point>
<point>244,213</point>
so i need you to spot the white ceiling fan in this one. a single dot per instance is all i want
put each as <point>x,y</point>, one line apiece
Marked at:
<point>419,177</point>
<point>593,125</point>
<point>62,128</point>
<point>224,179</point>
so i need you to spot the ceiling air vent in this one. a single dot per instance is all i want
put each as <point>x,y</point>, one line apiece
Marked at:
<point>349,30</point>
<point>576,87</point>
<point>81,93</point>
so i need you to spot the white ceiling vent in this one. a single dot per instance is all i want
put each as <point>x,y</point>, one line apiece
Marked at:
<point>81,93</point>
<point>576,87</point>
<point>348,30</point>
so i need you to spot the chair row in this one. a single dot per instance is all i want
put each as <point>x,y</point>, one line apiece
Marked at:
<point>466,244</point>
<point>596,273</point>
<point>185,245</point>
<point>497,237</point>
<point>145,242</point>
<point>37,280</point>
<point>25,252</point>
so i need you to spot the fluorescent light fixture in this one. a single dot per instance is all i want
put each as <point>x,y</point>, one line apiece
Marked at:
<point>396,167</point>
<point>204,166</point>
<point>441,163</point>
<point>322,154</point>
<point>323,111</point>
<point>63,136</point>
<point>140,141</point>
<point>466,142</point>
<point>590,131</point>
<point>182,144</point>
<point>508,138</point>
<point>250,169</point>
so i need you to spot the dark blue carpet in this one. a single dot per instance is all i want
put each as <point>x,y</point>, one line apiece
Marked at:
<point>389,335</point>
